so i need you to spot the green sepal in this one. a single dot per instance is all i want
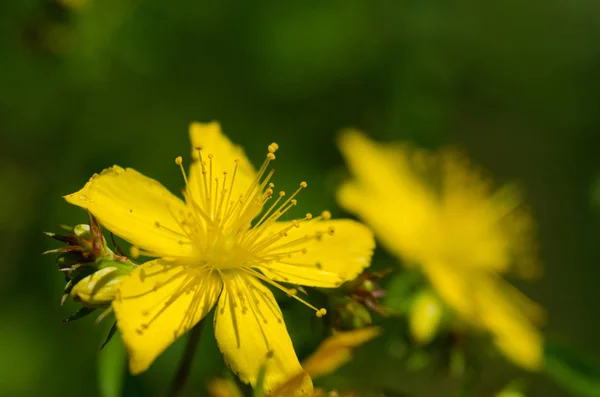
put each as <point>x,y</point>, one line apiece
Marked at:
<point>110,335</point>
<point>84,311</point>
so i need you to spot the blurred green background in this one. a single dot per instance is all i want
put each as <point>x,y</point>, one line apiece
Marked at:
<point>85,84</point>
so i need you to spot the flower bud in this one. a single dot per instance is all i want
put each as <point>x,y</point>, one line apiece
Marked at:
<point>99,288</point>
<point>425,317</point>
<point>355,302</point>
<point>92,270</point>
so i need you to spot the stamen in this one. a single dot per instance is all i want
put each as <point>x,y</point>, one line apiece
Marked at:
<point>134,252</point>
<point>286,290</point>
<point>179,162</point>
<point>235,168</point>
<point>223,192</point>
<point>210,158</point>
<point>203,165</point>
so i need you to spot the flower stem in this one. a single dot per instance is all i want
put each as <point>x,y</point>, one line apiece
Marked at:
<point>185,365</point>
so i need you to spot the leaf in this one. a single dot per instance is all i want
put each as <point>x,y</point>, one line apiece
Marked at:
<point>571,371</point>
<point>111,369</point>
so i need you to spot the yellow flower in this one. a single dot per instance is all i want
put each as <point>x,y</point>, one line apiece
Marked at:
<point>437,212</point>
<point>221,246</point>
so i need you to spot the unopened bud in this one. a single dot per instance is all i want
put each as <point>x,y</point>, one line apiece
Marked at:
<point>99,288</point>
<point>425,317</point>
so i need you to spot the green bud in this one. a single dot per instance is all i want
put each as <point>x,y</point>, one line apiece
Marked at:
<point>425,317</point>
<point>99,288</point>
<point>353,315</point>
<point>92,270</point>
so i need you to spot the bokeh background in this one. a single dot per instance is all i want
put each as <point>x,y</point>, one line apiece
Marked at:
<point>85,84</point>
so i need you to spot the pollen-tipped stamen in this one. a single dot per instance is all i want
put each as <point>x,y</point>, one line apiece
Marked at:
<point>288,291</point>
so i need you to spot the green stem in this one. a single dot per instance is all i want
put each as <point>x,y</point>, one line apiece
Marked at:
<point>185,365</point>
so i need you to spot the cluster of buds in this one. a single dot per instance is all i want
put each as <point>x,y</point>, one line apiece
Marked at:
<point>360,298</point>
<point>92,270</point>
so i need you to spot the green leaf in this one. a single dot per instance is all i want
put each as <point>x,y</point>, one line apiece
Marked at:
<point>111,369</point>
<point>572,371</point>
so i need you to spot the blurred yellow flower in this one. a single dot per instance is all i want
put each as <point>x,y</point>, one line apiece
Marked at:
<point>219,247</point>
<point>434,210</point>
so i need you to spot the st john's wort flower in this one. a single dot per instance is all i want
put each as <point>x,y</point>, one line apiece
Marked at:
<point>221,246</point>
<point>435,211</point>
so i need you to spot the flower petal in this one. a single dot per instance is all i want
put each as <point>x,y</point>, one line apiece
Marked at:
<point>342,251</point>
<point>387,195</point>
<point>336,350</point>
<point>210,139</point>
<point>249,328</point>
<point>136,208</point>
<point>159,302</point>
<point>488,302</point>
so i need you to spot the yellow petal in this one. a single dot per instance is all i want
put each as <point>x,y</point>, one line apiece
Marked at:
<point>387,194</point>
<point>342,251</point>
<point>225,155</point>
<point>136,208</point>
<point>336,350</point>
<point>488,302</point>
<point>249,328</point>
<point>159,302</point>
<point>510,317</point>
<point>522,344</point>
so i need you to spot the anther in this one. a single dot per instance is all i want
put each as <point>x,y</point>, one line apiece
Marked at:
<point>303,184</point>
<point>321,312</point>
<point>210,156</point>
<point>134,252</point>
<point>326,215</point>
<point>294,202</point>
<point>291,292</point>
<point>178,160</point>
<point>308,216</point>
<point>271,156</point>
<point>281,193</point>
<point>331,231</point>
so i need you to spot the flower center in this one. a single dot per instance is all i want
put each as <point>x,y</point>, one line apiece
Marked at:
<point>232,232</point>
